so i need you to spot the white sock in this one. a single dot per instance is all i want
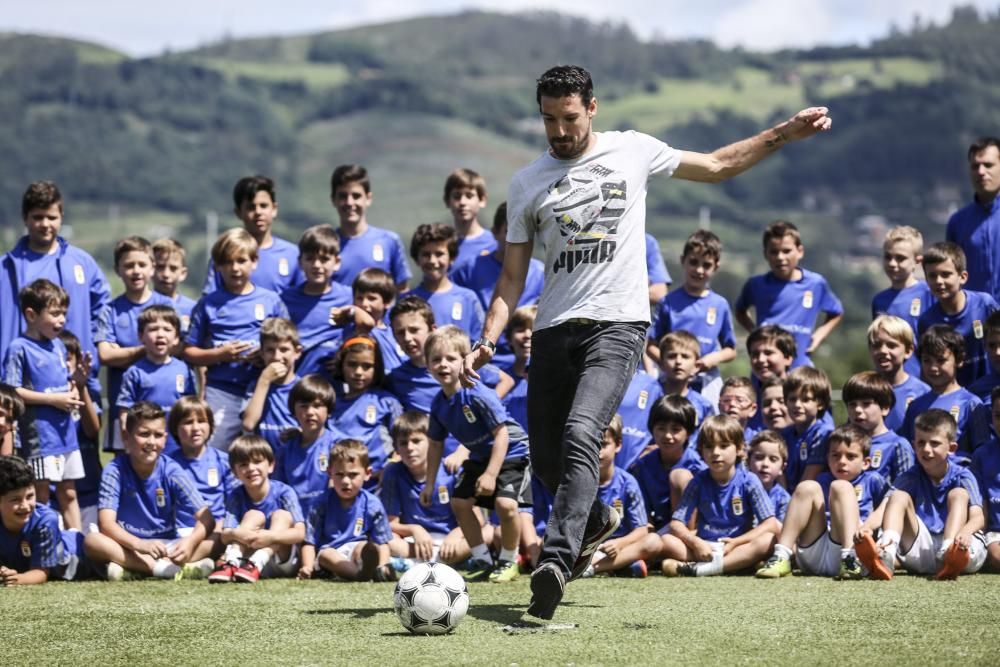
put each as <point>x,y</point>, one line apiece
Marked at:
<point>509,555</point>
<point>261,557</point>
<point>890,543</point>
<point>165,569</point>
<point>233,554</point>
<point>482,552</point>
<point>712,567</point>
<point>598,557</point>
<point>782,550</point>
<point>844,553</point>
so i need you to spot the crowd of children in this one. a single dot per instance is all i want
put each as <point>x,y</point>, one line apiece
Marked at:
<point>305,417</point>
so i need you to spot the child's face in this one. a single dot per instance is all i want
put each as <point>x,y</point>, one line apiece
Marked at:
<point>168,272</point>
<point>445,363</point>
<point>767,361</point>
<point>159,337</point>
<point>372,303</point>
<point>888,354</point>
<point>146,442</point>
<point>938,370</point>
<point>993,349</point>
<point>311,417</point>
<point>932,449</point>
<point>258,214</point>
<point>135,268</point>
<point>847,460</point>
<point>194,430</point>
<point>43,225</point>
<point>520,342</point>
<point>720,456</point>
<point>348,477</point>
<point>866,414</point>
<point>802,407</point>
<point>739,403</point>
<point>411,331</point>
<point>359,370</point>
<point>899,261</point>
<point>783,256</point>
<point>237,271</point>
<point>254,473</point>
<point>773,408</point>
<point>670,438</point>
<point>49,322</point>
<point>465,204</point>
<point>319,267</point>
<point>699,268</point>
<point>412,450</point>
<point>679,363</point>
<point>283,351</point>
<point>609,447</point>
<point>434,260</point>
<point>351,202</point>
<point>944,279</point>
<point>16,507</point>
<point>766,462</point>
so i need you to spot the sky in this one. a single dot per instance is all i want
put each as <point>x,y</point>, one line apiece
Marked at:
<point>144,28</point>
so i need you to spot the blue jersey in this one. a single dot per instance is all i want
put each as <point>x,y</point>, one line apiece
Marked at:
<point>656,268</point>
<point>368,418</point>
<point>702,406</point>
<point>313,317</point>
<point>401,497</point>
<point>149,508</point>
<point>162,384</point>
<point>726,510</point>
<point>374,248</point>
<point>277,268</point>
<point>472,415</point>
<point>331,525</point>
<point>930,500</point>
<point>40,365</point>
<point>516,402</point>
<point>792,305</point>
<point>392,354</point>
<point>905,392</point>
<point>472,247</point>
<point>622,492</point>
<point>221,317</point>
<point>707,318</point>
<point>976,228</point>
<point>541,505</point>
<point>986,468</point>
<point>642,392</point>
<point>39,545</point>
<point>184,306</point>
<point>212,477</point>
<point>984,386</point>
<point>413,385</point>
<point>780,499</point>
<point>891,455</point>
<point>304,468</point>
<point>276,417</point>
<point>970,322</point>
<point>279,496</point>
<point>88,488</point>
<point>654,481</point>
<point>458,305</point>
<point>908,304</point>
<point>870,488</point>
<point>805,449</point>
<point>482,273</point>
<point>972,418</point>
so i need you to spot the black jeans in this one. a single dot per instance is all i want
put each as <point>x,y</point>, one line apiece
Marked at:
<point>578,375</point>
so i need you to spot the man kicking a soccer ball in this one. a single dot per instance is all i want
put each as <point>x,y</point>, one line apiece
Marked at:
<point>585,200</point>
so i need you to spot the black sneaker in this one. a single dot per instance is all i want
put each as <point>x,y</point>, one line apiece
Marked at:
<point>547,586</point>
<point>591,542</point>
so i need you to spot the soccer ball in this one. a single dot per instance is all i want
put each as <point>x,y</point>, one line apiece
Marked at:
<point>431,599</point>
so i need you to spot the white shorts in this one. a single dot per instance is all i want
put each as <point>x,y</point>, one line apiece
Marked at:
<point>284,569</point>
<point>923,558</point>
<point>347,550</point>
<point>59,468</point>
<point>821,558</point>
<point>992,538</point>
<point>438,539</point>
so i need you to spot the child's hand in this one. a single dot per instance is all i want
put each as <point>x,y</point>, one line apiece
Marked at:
<point>181,552</point>
<point>963,540</point>
<point>274,371</point>
<point>234,350</point>
<point>448,550</point>
<point>66,401</point>
<point>702,550</point>
<point>260,539</point>
<point>610,548</point>
<point>8,576</point>
<point>82,372</point>
<point>486,485</point>
<point>427,496</point>
<point>154,548</point>
<point>423,543</point>
<point>305,572</point>
<point>454,461</point>
<point>728,544</point>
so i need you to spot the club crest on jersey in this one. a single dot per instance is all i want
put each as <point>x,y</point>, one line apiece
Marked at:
<point>955,409</point>
<point>26,549</point>
<point>359,526</point>
<point>213,476</point>
<point>470,416</point>
<point>161,498</point>
<point>804,450</point>
<point>78,274</point>
<point>909,399</point>
<point>915,307</point>
<point>877,458</point>
<point>807,299</point>
<point>283,266</point>
<point>738,505</point>
<point>456,310</point>
<point>857,490</point>
<point>258,311</point>
<point>185,322</point>
<point>332,319</point>
<point>619,506</point>
<point>643,399</point>
<point>377,253</point>
<point>370,413</point>
<point>977,328</point>
<point>322,461</point>
<point>443,497</point>
<point>179,383</point>
<point>710,315</point>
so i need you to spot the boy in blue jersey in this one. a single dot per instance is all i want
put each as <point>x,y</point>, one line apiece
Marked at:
<point>934,518</point>
<point>679,355</point>
<point>87,419</point>
<point>984,386</point>
<point>735,524</point>
<point>263,522</point>
<point>963,310</point>
<point>427,533</point>
<point>36,367</point>
<point>788,296</point>
<point>697,309</point>
<point>986,467</point>
<point>33,548</point>
<point>891,345</point>
<point>118,344</point>
<point>374,293</point>
<point>158,377</point>
<point>267,409</point>
<point>772,351</point>
<point>738,400</point>
<point>826,515</point>
<point>256,205</point>
<point>642,393</point>
<point>908,297</point>
<point>942,352</point>
<point>626,550</point>
<point>434,248</point>
<point>773,411</point>
<point>465,198</point>
<point>495,473</point>
<point>363,245</point>
<point>42,253</point>
<point>169,271</point>
<point>347,532</point>
<point>869,399</point>
<point>225,329</point>
<point>807,396</point>
<point>142,493</point>
<point>767,456</point>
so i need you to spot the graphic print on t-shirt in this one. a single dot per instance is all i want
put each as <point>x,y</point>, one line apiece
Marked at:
<point>587,203</point>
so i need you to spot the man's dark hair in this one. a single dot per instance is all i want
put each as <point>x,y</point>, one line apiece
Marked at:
<point>563,80</point>
<point>981,144</point>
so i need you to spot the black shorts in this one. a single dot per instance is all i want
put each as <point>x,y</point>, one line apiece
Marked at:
<point>513,481</point>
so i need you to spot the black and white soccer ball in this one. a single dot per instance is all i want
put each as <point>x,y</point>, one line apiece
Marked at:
<point>431,599</point>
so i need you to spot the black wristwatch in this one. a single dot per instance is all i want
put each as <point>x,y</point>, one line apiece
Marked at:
<point>487,343</point>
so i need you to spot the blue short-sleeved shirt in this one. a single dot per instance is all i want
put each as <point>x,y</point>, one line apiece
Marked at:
<point>986,468</point>
<point>304,468</point>
<point>184,306</point>
<point>806,448</point>
<point>458,305</point>
<point>984,386</point>
<point>780,499</point>
<point>931,501</point>
<point>472,415</point>
<point>891,455</point>
<point>656,268</point>
<point>975,228</point>
<point>972,418</point>
<point>622,492</point>
<point>907,304</point>
<point>40,544</point>
<point>905,392</point>
<point>374,248</point>
<point>971,323</point>
<point>471,247</point>
<point>313,317</point>
<point>482,273</point>
<point>707,317</point>
<point>330,525</point>
<point>162,384</point>
<point>725,510</point>
<point>279,496</point>
<point>276,417</point>
<point>654,481</point>
<point>870,487</point>
<point>642,392</point>
<point>400,494</point>
<point>149,508</point>
<point>516,402</point>
<point>212,477</point>
<point>277,268</point>
<point>368,418</point>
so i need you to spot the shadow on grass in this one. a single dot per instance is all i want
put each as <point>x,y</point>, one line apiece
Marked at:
<point>356,613</point>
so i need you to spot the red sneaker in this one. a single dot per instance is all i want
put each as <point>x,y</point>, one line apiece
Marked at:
<point>246,573</point>
<point>223,573</point>
<point>870,555</point>
<point>956,559</point>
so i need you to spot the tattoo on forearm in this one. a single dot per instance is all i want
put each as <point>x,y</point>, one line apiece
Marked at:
<point>775,141</point>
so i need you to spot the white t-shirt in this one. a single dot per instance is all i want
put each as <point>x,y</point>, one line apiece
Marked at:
<point>590,216</point>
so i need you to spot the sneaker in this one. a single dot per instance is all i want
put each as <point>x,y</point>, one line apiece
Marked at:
<point>384,573</point>
<point>676,568</point>
<point>875,558</point>
<point>775,567</point>
<point>478,569</point>
<point>400,564</point>
<point>246,573</point>
<point>636,570</point>
<point>197,570</point>
<point>850,568</point>
<point>223,573</point>
<point>956,559</point>
<point>118,573</point>
<point>504,571</point>
<point>591,542</point>
<point>547,586</point>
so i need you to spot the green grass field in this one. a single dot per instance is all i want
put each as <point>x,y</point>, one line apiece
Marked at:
<point>654,621</point>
